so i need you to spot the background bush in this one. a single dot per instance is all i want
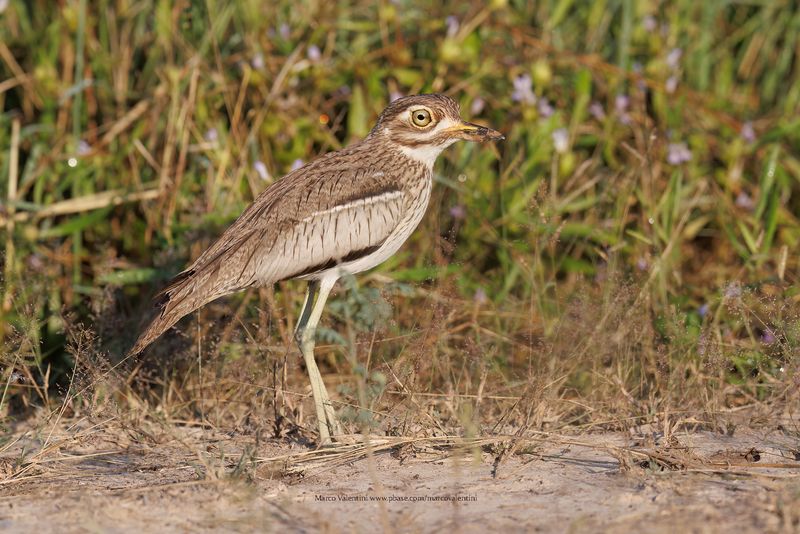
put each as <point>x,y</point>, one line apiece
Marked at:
<point>631,247</point>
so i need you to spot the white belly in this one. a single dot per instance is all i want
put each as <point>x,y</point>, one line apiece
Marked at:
<point>389,247</point>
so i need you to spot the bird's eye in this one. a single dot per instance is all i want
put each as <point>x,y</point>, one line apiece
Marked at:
<point>421,117</point>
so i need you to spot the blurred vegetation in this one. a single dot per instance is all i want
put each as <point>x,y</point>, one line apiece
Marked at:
<point>631,247</point>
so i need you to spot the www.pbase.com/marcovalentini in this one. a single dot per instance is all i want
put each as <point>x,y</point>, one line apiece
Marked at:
<point>396,498</point>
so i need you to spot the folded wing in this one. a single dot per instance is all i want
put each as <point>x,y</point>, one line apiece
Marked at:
<point>310,221</point>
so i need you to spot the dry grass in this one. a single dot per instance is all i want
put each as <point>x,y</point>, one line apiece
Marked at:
<point>620,296</point>
<point>104,469</point>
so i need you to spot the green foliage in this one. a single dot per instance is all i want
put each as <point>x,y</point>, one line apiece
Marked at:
<point>647,140</point>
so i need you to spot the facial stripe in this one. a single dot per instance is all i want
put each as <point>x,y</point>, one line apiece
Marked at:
<point>415,137</point>
<point>436,102</point>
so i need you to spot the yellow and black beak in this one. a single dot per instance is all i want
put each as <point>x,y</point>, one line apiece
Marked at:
<point>475,132</point>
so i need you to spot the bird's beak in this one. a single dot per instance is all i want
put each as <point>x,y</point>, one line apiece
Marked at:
<point>474,132</point>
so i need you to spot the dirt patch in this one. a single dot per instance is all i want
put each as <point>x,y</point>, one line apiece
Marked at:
<point>87,477</point>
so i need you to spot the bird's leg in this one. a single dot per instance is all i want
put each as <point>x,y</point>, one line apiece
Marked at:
<point>311,327</point>
<point>306,344</point>
<point>305,336</point>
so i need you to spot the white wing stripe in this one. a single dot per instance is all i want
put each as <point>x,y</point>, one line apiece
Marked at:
<point>361,202</point>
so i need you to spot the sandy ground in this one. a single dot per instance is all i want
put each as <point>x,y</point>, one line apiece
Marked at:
<point>83,478</point>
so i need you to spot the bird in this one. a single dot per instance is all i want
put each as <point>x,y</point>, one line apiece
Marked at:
<point>342,213</point>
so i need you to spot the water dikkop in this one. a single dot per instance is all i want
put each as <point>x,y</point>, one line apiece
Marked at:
<point>345,212</point>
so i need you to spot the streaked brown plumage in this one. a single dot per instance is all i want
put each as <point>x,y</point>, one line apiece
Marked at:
<point>346,211</point>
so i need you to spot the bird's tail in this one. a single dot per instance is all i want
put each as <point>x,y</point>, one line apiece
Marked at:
<point>181,297</point>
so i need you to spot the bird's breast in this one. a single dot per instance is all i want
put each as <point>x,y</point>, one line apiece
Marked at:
<point>417,195</point>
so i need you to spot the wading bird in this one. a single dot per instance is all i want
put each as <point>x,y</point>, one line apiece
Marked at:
<point>345,212</point>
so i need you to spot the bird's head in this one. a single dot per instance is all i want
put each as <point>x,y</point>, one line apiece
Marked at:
<point>421,126</point>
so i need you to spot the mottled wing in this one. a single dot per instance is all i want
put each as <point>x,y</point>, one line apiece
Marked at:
<point>311,220</point>
<point>336,217</point>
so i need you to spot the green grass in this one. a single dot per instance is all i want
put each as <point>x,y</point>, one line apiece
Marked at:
<point>591,269</point>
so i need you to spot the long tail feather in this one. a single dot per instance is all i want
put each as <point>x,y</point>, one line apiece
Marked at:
<point>180,298</point>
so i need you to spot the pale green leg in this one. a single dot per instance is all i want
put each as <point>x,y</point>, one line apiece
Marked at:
<point>304,334</point>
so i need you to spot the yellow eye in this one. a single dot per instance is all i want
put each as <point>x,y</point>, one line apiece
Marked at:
<point>421,117</point>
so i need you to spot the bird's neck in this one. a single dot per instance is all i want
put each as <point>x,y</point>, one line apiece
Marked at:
<point>420,153</point>
<point>424,154</point>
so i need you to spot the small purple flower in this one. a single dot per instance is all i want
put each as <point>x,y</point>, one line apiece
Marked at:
<point>744,201</point>
<point>480,296</point>
<point>621,103</point>
<point>344,90</point>
<point>458,212</point>
<point>477,106</point>
<point>35,262</point>
<point>261,169</point>
<point>702,311</point>
<point>671,84</point>
<point>678,153</point>
<point>544,107</point>
<point>83,148</point>
<point>258,61</point>
<point>211,135</point>
<point>284,31</point>
<point>674,58</point>
<point>596,110</point>
<point>748,133</point>
<point>561,140</point>
<point>768,337</point>
<point>642,264</point>
<point>313,53</point>
<point>650,23</point>
<point>733,290</point>
<point>296,164</point>
<point>394,95</point>
<point>452,25</point>
<point>523,90</point>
